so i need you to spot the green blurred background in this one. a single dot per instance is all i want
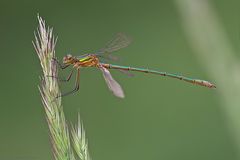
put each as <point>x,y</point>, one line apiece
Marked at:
<point>160,118</point>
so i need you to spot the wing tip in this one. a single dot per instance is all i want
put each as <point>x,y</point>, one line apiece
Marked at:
<point>119,93</point>
<point>120,96</point>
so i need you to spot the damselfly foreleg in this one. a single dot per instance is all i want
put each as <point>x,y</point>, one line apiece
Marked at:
<point>63,80</point>
<point>76,85</point>
<point>62,66</point>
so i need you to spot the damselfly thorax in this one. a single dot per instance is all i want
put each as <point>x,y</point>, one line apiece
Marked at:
<point>90,60</point>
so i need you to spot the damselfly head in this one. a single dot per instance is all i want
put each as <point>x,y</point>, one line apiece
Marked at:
<point>68,59</point>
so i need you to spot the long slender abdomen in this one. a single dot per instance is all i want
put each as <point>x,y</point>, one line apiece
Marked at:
<point>186,79</point>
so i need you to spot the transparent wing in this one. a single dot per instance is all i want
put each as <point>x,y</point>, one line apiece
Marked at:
<point>120,40</point>
<point>126,72</point>
<point>111,83</point>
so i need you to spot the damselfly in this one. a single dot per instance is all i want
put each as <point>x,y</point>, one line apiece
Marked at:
<point>94,60</point>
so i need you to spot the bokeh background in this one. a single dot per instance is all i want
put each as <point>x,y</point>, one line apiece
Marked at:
<point>160,118</point>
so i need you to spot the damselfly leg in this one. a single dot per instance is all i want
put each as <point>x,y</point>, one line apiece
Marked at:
<point>63,80</point>
<point>76,85</point>
<point>62,66</point>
